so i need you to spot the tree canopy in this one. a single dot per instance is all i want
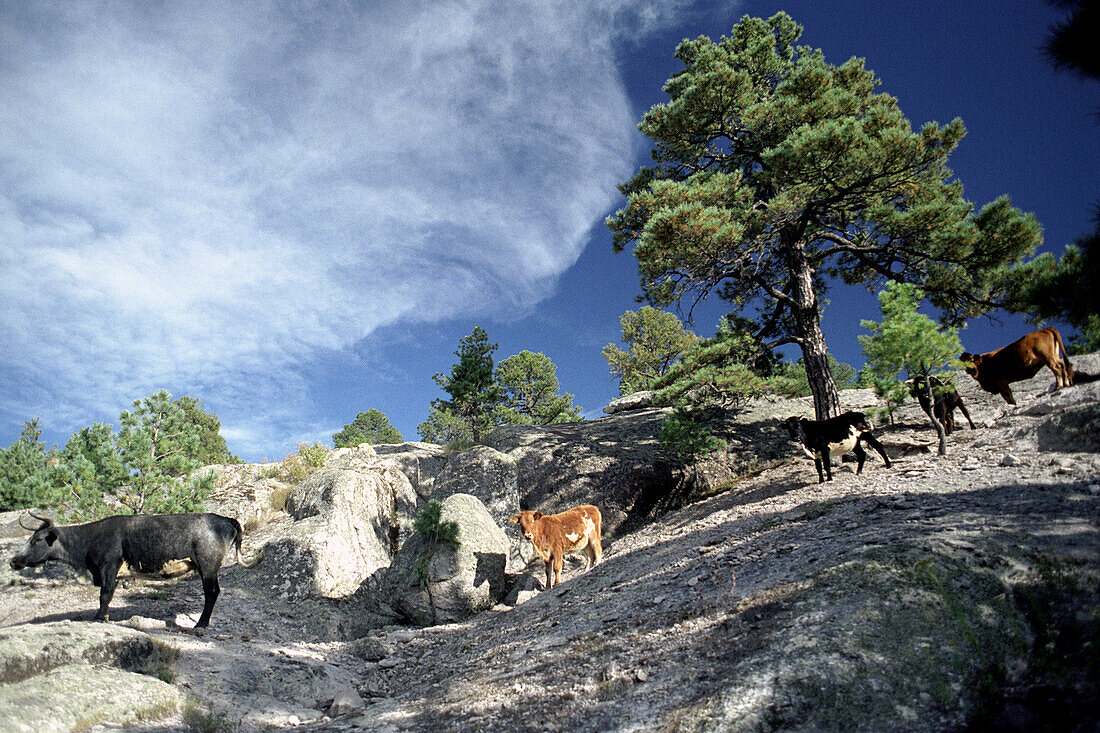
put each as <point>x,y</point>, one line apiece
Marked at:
<point>655,341</point>
<point>472,388</point>
<point>146,467</point>
<point>1063,289</point>
<point>1072,42</point>
<point>529,391</point>
<point>371,427</point>
<point>777,174</point>
<point>909,341</point>
<point>521,389</point>
<point>160,445</point>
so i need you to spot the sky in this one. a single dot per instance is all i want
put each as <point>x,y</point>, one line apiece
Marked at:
<point>295,213</point>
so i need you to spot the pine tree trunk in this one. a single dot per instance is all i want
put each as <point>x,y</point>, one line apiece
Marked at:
<point>808,320</point>
<point>941,433</point>
<point>822,386</point>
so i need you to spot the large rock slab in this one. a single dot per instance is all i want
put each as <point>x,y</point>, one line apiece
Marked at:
<point>77,697</point>
<point>420,462</point>
<point>615,462</point>
<point>634,401</point>
<point>66,676</point>
<point>350,520</point>
<point>33,649</point>
<point>483,472</point>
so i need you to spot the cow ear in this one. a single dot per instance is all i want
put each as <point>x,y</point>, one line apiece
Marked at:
<point>514,520</point>
<point>537,516</point>
<point>51,537</point>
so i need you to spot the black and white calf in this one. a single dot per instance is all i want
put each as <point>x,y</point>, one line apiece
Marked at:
<point>821,439</point>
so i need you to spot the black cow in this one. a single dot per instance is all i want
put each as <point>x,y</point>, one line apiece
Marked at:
<point>822,439</point>
<point>144,542</point>
<point>944,401</point>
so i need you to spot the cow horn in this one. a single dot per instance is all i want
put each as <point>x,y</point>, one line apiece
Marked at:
<point>46,521</point>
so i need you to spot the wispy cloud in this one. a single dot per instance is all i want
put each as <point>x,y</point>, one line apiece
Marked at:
<point>204,196</point>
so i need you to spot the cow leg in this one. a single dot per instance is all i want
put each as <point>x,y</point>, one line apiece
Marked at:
<point>557,567</point>
<point>1061,375</point>
<point>592,552</point>
<point>1006,392</point>
<point>942,415</point>
<point>828,468</point>
<point>549,574</point>
<point>597,549</point>
<point>861,456</point>
<point>873,442</point>
<point>108,580</point>
<point>210,590</point>
<point>966,414</point>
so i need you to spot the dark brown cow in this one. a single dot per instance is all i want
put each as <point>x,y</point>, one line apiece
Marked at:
<point>1020,360</point>
<point>554,535</point>
<point>945,400</point>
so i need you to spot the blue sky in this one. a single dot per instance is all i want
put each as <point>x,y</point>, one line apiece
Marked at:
<point>295,214</point>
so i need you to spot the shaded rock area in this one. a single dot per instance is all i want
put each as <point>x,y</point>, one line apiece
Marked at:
<point>483,472</point>
<point>420,462</point>
<point>946,593</point>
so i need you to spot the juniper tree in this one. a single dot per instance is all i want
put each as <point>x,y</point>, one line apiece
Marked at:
<point>655,341</point>
<point>777,173</point>
<point>371,427</point>
<point>529,388</point>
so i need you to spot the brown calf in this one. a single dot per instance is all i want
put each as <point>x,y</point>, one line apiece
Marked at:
<point>554,535</point>
<point>1020,360</point>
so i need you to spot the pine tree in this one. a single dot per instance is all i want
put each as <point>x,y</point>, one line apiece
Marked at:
<point>776,173</point>
<point>158,445</point>
<point>655,339</point>
<point>371,427</point>
<point>909,341</point>
<point>472,387</point>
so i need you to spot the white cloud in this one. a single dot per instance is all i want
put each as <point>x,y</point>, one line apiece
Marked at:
<point>206,195</point>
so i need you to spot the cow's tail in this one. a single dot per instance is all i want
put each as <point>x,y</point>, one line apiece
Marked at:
<point>1065,356</point>
<point>238,537</point>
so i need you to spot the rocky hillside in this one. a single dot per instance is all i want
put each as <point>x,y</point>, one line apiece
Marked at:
<point>945,593</point>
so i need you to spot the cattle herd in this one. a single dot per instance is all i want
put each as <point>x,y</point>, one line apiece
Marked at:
<point>147,543</point>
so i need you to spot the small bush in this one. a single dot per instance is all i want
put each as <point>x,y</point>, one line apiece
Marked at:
<point>202,720</point>
<point>313,456</point>
<point>685,435</point>
<point>271,471</point>
<point>278,497</point>
<point>430,526</point>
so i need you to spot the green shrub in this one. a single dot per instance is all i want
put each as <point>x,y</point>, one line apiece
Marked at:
<point>434,531</point>
<point>313,456</point>
<point>686,436</point>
